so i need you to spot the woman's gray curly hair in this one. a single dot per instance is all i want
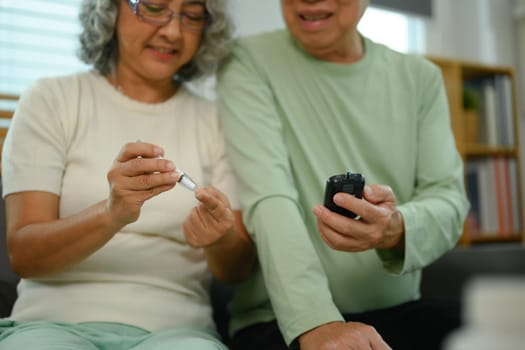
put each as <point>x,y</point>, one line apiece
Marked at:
<point>98,40</point>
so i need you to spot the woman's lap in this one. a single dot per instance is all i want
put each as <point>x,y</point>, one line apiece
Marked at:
<point>94,336</point>
<point>42,336</point>
<point>183,338</point>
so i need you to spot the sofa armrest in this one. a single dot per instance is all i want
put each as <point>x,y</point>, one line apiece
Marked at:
<point>448,276</point>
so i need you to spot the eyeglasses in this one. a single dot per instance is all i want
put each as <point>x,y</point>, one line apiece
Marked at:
<point>193,17</point>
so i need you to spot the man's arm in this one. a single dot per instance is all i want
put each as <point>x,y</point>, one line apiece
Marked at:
<point>434,217</point>
<point>295,279</point>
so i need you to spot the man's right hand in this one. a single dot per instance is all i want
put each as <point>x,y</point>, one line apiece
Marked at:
<point>341,335</point>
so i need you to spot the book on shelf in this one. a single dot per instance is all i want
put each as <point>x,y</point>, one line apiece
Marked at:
<point>505,109</point>
<point>492,188</point>
<point>473,190</point>
<point>496,109</point>
<point>514,195</point>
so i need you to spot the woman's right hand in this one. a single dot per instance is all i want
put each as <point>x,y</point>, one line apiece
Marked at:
<point>138,173</point>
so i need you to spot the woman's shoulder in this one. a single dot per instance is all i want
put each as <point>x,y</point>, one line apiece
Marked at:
<point>200,108</point>
<point>200,98</point>
<point>66,84</point>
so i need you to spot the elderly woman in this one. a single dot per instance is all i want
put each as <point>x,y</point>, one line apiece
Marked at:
<point>113,252</point>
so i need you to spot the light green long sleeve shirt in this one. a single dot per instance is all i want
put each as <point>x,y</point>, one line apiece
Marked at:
<point>291,121</point>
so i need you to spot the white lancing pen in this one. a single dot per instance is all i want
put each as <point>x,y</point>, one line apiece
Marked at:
<point>184,179</point>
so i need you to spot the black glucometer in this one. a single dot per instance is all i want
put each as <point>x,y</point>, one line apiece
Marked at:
<point>351,183</point>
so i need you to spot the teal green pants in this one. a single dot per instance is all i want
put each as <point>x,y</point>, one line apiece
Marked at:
<point>102,336</point>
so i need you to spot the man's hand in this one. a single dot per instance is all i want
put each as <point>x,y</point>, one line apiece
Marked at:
<point>341,335</point>
<point>380,225</point>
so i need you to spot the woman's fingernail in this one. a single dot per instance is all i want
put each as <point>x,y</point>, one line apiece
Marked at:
<point>158,151</point>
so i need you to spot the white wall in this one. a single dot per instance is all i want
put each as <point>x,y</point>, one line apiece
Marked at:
<point>474,30</point>
<point>254,16</point>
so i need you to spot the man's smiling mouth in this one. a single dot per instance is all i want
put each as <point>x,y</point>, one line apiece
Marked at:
<point>317,17</point>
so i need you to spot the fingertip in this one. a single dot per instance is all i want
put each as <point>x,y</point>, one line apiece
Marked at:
<point>339,198</point>
<point>158,152</point>
<point>317,210</point>
<point>198,193</point>
<point>368,191</point>
<point>170,166</point>
<point>203,195</point>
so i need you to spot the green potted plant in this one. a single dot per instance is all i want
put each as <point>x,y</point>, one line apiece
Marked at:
<point>471,114</point>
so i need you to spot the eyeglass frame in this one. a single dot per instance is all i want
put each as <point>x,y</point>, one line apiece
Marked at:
<point>134,4</point>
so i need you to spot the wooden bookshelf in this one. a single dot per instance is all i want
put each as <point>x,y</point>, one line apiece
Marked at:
<point>7,113</point>
<point>489,146</point>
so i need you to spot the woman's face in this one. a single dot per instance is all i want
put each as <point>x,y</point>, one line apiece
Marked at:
<point>156,52</point>
<point>322,26</point>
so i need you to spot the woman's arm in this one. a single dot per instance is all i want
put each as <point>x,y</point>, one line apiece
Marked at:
<point>40,243</point>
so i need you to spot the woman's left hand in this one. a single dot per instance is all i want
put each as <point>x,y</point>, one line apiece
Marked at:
<point>211,220</point>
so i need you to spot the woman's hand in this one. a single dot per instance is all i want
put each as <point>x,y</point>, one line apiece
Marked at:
<point>210,221</point>
<point>213,226</point>
<point>138,173</point>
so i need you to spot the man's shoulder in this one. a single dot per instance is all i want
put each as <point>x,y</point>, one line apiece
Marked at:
<point>265,40</point>
<point>266,51</point>
<point>411,62</point>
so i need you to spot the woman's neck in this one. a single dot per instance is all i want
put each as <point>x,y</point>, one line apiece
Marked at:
<point>143,90</point>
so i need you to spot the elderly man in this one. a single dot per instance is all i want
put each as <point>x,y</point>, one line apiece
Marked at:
<point>318,99</point>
